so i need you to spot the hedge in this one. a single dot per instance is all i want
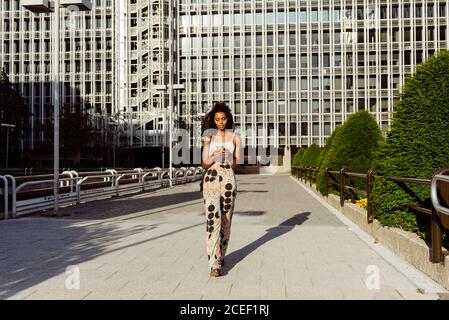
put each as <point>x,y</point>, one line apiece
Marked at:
<point>416,146</point>
<point>298,156</point>
<point>310,157</point>
<point>354,146</point>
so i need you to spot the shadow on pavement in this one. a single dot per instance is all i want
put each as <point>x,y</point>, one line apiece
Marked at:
<point>130,204</point>
<point>52,245</point>
<point>235,257</point>
<point>251,191</point>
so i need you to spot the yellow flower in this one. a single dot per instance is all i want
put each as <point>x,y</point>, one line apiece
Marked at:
<point>362,203</point>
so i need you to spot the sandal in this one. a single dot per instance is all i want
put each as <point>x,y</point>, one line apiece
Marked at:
<point>221,262</point>
<point>215,272</point>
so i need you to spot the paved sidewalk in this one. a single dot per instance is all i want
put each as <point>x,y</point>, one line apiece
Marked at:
<point>284,245</point>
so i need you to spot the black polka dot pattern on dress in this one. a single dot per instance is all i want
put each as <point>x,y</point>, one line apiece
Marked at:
<point>219,208</point>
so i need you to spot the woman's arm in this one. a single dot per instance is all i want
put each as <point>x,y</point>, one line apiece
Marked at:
<point>237,144</point>
<point>206,160</point>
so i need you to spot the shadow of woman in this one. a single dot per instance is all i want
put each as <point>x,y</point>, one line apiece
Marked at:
<point>235,257</point>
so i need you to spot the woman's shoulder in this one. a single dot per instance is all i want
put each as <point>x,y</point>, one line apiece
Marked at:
<point>206,139</point>
<point>235,137</point>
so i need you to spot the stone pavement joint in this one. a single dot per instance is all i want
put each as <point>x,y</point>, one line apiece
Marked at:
<point>285,244</point>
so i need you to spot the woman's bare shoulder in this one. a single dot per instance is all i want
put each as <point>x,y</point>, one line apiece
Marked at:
<point>206,140</point>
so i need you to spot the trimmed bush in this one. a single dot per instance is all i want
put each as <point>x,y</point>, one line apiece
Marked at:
<point>323,160</point>
<point>416,146</point>
<point>310,157</point>
<point>353,146</point>
<point>298,156</point>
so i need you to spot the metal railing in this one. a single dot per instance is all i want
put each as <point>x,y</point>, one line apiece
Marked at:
<point>28,194</point>
<point>439,190</point>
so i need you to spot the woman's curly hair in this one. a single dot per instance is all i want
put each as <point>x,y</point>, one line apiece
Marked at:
<point>208,121</point>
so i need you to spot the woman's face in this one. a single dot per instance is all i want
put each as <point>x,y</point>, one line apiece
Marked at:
<point>220,120</point>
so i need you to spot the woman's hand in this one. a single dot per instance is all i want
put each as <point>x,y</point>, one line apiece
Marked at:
<point>217,155</point>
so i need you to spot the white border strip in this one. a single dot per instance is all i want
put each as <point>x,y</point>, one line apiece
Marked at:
<point>418,278</point>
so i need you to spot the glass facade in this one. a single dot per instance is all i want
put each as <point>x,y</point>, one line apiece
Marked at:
<point>291,71</point>
<point>301,68</point>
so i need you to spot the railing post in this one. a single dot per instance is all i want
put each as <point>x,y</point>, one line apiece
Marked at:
<point>435,254</point>
<point>78,190</point>
<point>5,195</point>
<point>342,187</point>
<point>326,182</point>
<point>13,195</point>
<point>369,187</point>
<point>310,175</point>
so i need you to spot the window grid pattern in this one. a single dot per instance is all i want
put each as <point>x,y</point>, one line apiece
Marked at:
<point>300,68</point>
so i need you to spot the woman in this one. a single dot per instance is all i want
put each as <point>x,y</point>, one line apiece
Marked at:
<point>221,154</point>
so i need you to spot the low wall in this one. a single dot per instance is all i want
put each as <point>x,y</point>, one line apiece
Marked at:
<point>405,244</point>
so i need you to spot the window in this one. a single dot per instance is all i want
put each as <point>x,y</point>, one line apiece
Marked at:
<point>325,15</point>
<point>303,61</point>
<point>248,85</point>
<point>336,15</point>
<point>248,19</point>
<point>314,15</point>
<point>315,37</point>
<point>315,60</point>
<point>303,38</point>
<point>259,62</point>
<point>281,62</point>
<point>291,17</point>
<point>337,60</point>
<point>248,62</point>
<point>281,39</point>
<point>270,39</point>
<point>326,60</point>
<point>270,62</point>
<point>259,18</point>
<point>259,85</point>
<point>292,62</point>
<point>292,39</point>
<point>270,19</point>
<point>303,16</point>
<point>281,84</point>
<point>315,83</point>
<point>394,11</point>
<point>406,11</point>
<point>237,87</point>
<point>281,17</point>
<point>418,11</point>
<point>237,63</point>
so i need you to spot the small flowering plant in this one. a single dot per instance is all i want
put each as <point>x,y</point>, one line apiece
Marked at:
<point>362,203</point>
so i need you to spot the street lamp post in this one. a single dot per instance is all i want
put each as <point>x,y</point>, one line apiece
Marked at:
<point>114,138</point>
<point>7,126</point>
<point>169,129</point>
<point>44,6</point>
